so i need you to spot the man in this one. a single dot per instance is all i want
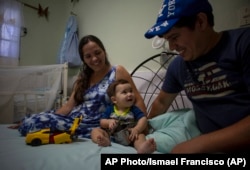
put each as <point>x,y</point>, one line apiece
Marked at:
<point>214,70</point>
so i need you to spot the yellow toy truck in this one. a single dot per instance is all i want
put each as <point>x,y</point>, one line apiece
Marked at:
<point>47,136</point>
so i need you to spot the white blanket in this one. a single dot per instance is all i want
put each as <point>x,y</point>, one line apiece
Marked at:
<point>79,155</point>
<point>170,129</point>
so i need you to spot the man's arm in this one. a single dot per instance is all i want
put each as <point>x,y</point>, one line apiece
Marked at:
<point>161,103</point>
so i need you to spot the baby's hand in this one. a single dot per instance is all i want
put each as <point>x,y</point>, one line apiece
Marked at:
<point>133,134</point>
<point>112,124</point>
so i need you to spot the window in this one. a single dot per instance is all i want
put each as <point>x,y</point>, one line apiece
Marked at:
<point>11,22</point>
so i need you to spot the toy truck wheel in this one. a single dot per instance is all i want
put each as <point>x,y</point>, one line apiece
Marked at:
<point>36,142</point>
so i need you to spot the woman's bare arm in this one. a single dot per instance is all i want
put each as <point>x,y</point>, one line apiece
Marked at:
<point>67,107</point>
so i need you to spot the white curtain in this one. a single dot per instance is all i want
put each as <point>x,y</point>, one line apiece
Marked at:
<point>11,22</point>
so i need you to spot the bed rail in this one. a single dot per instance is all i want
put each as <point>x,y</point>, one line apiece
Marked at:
<point>149,75</point>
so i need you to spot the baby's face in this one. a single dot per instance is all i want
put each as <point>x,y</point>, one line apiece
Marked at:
<point>124,95</point>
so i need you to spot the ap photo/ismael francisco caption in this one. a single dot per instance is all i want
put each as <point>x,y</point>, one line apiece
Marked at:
<point>163,161</point>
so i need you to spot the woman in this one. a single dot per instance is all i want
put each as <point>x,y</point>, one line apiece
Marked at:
<point>89,96</point>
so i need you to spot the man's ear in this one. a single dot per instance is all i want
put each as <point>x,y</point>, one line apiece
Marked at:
<point>202,20</point>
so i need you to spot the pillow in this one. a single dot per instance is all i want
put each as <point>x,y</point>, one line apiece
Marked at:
<point>172,128</point>
<point>166,119</point>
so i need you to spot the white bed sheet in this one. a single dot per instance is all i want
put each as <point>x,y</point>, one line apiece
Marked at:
<point>80,155</point>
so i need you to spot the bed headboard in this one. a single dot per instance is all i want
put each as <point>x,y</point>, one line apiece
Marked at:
<point>149,75</point>
<point>30,89</point>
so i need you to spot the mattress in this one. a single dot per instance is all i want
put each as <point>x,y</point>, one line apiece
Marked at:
<point>168,130</point>
<point>79,155</point>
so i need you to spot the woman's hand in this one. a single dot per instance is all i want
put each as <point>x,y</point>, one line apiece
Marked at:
<point>15,126</point>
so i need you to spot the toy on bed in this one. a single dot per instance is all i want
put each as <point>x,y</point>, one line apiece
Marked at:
<point>49,136</point>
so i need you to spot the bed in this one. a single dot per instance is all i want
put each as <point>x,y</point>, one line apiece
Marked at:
<point>174,127</point>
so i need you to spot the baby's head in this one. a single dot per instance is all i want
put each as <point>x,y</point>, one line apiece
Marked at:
<point>121,93</point>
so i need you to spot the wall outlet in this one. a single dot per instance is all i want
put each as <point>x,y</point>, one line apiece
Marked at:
<point>244,16</point>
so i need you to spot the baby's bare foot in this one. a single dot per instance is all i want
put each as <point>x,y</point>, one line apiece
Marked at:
<point>149,146</point>
<point>103,141</point>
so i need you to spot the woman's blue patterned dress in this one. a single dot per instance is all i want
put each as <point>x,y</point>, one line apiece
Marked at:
<point>95,102</point>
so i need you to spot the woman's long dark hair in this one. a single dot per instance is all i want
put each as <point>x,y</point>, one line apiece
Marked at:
<point>83,81</point>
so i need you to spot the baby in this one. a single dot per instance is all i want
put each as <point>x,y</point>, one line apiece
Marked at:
<point>124,122</point>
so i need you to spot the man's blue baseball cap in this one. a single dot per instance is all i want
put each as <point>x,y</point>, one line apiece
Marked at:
<point>172,10</point>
